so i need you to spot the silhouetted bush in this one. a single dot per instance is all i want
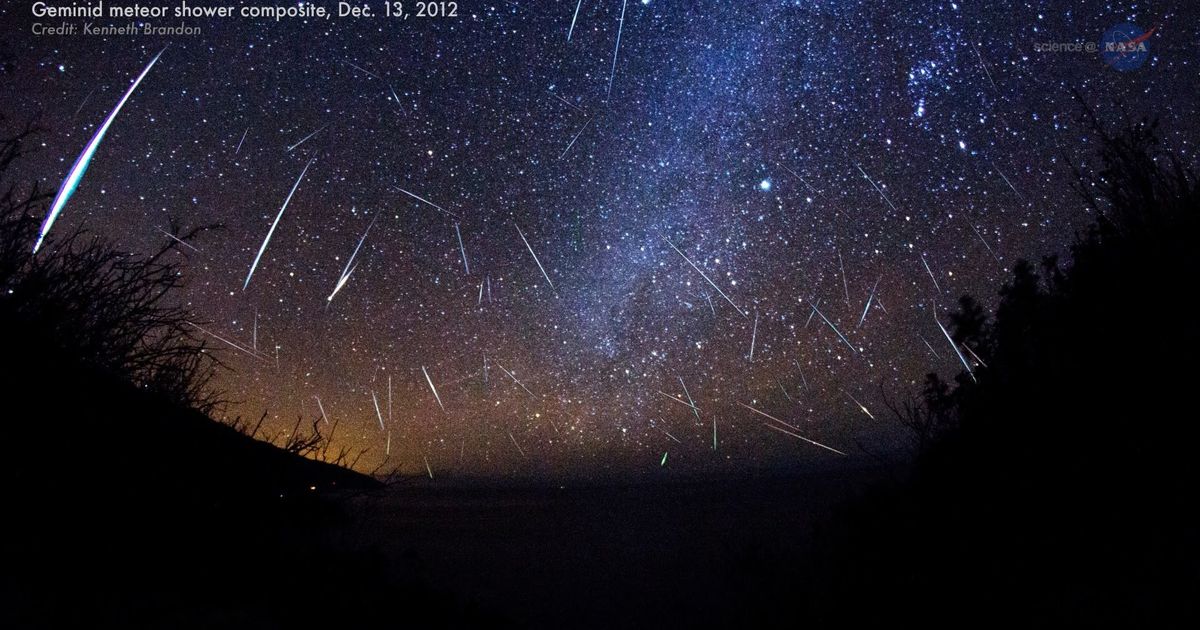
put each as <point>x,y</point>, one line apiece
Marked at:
<point>91,301</point>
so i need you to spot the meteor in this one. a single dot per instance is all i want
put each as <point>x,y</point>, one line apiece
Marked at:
<point>378,414</point>
<point>930,272</point>
<point>573,18</point>
<point>617,49</point>
<point>85,100</point>
<point>239,146</point>
<point>350,266</point>
<point>279,216</point>
<point>691,403</point>
<point>984,66</point>
<point>397,99</point>
<point>463,250</point>
<point>75,175</point>
<point>514,441</point>
<point>985,243</point>
<point>432,388</point>
<point>572,143</point>
<point>955,346</point>
<point>510,375</point>
<point>362,70</point>
<point>877,188</point>
<point>796,435</point>
<point>974,356</point>
<point>797,176</point>
<point>868,306</point>
<point>935,354</point>
<point>566,102</point>
<point>845,285</point>
<point>322,408</point>
<point>835,329</point>
<point>235,346</point>
<point>535,258</point>
<point>427,202</point>
<point>754,335</point>
<point>680,401</point>
<point>702,274</point>
<point>812,312</point>
<point>860,405</point>
<point>1005,178</point>
<point>305,138</point>
<point>178,240</point>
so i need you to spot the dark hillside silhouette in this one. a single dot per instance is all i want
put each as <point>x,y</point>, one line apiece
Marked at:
<point>127,505</point>
<point>1058,489</point>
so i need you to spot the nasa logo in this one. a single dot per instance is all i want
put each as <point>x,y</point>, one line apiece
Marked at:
<point>1124,47</point>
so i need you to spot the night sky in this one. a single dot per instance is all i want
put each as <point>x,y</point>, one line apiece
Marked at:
<point>876,160</point>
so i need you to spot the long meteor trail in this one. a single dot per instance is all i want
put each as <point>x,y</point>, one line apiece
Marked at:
<point>835,329</point>
<point>706,278</point>
<point>950,340</point>
<point>463,250</point>
<point>535,258</point>
<point>432,388</point>
<point>350,266</point>
<point>279,216</point>
<point>75,175</point>
<point>572,143</point>
<point>427,202</point>
<point>617,48</point>
<point>796,435</point>
<point>877,188</point>
<point>573,18</point>
<point>378,413</point>
<point>305,138</point>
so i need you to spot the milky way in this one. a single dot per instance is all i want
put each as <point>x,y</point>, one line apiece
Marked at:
<point>772,205</point>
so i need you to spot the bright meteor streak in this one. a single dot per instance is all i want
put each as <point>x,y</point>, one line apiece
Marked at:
<point>705,276</point>
<point>432,388</point>
<point>71,183</point>
<point>305,139</point>
<point>573,18</point>
<point>276,223</point>
<point>427,202</point>
<point>617,48</point>
<point>462,250</point>
<point>350,266</point>
<point>535,258</point>
<point>796,435</point>
<point>950,340</point>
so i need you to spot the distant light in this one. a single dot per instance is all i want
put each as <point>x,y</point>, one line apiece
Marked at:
<point>62,68</point>
<point>962,145</point>
<point>764,185</point>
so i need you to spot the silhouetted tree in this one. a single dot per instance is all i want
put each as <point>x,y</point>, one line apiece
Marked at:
<point>1059,488</point>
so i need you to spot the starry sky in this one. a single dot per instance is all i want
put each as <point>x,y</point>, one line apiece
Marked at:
<point>643,241</point>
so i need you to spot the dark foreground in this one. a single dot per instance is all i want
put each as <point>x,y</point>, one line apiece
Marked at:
<point>679,554</point>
